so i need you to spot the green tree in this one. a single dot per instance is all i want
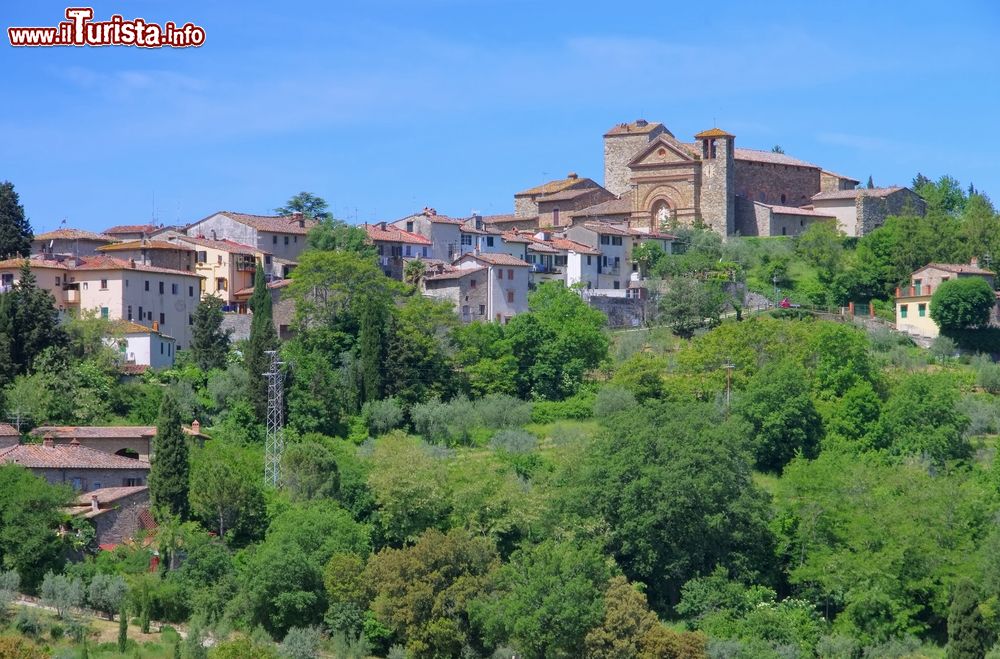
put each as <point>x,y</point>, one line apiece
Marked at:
<point>782,416</point>
<point>209,342</point>
<point>372,346</point>
<point>962,303</point>
<point>15,230</point>
<point>320,529</point>
<point>413,272</point>
<point>30,514</point>
<point>968,635</point>
<point>28,317</point>
<point>871,183</point>
<point>169,477</point>
<point>822,245</point>
<point>660,479</point>
<point>122,629</point>
<point>262,339</point>
<point>942,196</point>
<point>549,596</point>
<point>226,492</point>
<point>648,255</point>
<point>421,592</point>
<point>922,418</point>
<point>336,235</point>
<point>308,204</point>
<point>106,593</point>
<point>309,471</point>
<point>280,588</point>
<point>62,593</point>
<point>689,304</point>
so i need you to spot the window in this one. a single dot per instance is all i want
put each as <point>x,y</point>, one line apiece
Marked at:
<point>903,309</point>
<point>161,288</point>
<point>161,347</point>
<point>274,240</point>
<point>617,284</point>
<point>141,316</point>
<point>605,240</point>
<point>202,256</point>
<point>499,273</point>
<point>408,250</point>
<point>762,197</point>
<point>286,240</point>
<point>922,309</point>
<point>784,231</point>
<point>77,484</point>
<point>221,284</point>
<point>482,309</point>
<point>105,312</point>
<point>423,251</point>
<point>489,242</point>
<point>173,289</point>
<point>555,216</point>
<point>163,320</point>
<point>147,284</point>
<point>782,198</point>
<point>510,297</point>
<point>84,285</point>
<point>190,291</point>
<point>267,259</point>
<point>295,239</point>
<point>616,240</point>
<point>190,319</point>
<point>104,284</point>
<point>12,279</point>
<point>466,240</point>
<point>409,227</point>
<point>588,259</point>
<point>472,283</point>
<point>129,312</point>
<point>131,482</point>
<point>510,274</point>
<point>218,259</point>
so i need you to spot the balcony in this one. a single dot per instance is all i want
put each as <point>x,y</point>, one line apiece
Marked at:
<point>913,291</point>
<point>71,294</point>
<point>544,268</point>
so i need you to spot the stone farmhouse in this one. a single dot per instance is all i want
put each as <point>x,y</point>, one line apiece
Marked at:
<point>282,237</point>
<point>118,514</point>
<point>134,442</point>
<point>69,242</point>
<point>85,469</point>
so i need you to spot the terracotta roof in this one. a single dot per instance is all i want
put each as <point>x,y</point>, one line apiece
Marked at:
<point>134,369</point>
<point>572,180</point>
<point>496,258</point>
<point>269,223</point>
<point>454,273</point>
<point>277,283</point>
<point>770,157</point>
<point>658,235</point>
<point>608,229</point>
<point>221,245</point>
<point>840,176</point>
<point>620,206</point>
<point>713,132</point>
<point>515,237</point>
<point>131,228</point>
<point>542,246</point>
<point>73,234</point>
<point>792,210</point>
<point>507,217</point>
<point>857,192</point>
<point>7,430</point>
<point>960,268</point>
<point>91,263</point>
<point>94,432</point>
<point>638,127</point>
<point>394,235</point>
<point>109,494</point>
<point>567,195</point>
<point>571,245</point>
<point>141,244</point>
<point>67,456</point>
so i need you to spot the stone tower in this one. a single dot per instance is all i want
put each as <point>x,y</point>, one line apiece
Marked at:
<point>716,198</point>
<point>621,144</point>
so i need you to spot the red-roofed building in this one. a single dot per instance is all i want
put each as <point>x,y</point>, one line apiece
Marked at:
<point>913,302</point>
<point>445,234</point>
<point>83,468</point>
<point>394,245</point>
<point>281,236</point>
<point>507,279</point>
<point>69,242</point>
<point>859,211</point>
<point>117,514</point>
<point>162,299</point>
<point>157,253</point>
<point>129,232</point>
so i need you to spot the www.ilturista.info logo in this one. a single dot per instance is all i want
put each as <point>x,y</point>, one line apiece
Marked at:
<point>81,30</point>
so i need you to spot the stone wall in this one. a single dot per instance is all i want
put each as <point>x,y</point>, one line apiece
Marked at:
<point>92,479</point>
<point>832,183</point>
<point>872,211</point>
<point>767,182</point>
<point>619,150</point>
<point>239,323</point>
<point>226,229</point>
<point>525,207</point>
<point>677,185</point>
<point>121,521</point>
<point>622,311</point>
<point>546,217</point>
<point>752,219</point>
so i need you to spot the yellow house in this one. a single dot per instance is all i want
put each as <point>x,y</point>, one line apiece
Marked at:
<point>913,302</point>
<point>227,267</point>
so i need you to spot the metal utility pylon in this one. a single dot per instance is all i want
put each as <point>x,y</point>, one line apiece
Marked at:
<point>274,443</point>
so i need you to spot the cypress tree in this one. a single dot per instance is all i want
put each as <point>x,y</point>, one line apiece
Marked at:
<point>209,342</point>
<point>169,476</point>
<point>871,183</point>
<point>15,230</point>
<point>371,347</point>
<point>968,636</point>
<point>34,321</point>
<point>122,630</point>
<point>262,338</point>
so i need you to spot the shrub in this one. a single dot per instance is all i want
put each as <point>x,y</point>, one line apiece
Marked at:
<point>611,400</point>
<point>988,375</point>
<point>580,406</point>
<point>381,416</point>
<point>27,622</point>
<point>107,593</point>
<point>498,411</point>
<point>10,581</point>
<point>514,441</point>
<point>448,423</point>
<point>61,593</point>
<point>943,347</point>
<point>964,303</point>
<point>300,643</point>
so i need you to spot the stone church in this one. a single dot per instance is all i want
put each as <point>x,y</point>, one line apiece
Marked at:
<point>653,181</point>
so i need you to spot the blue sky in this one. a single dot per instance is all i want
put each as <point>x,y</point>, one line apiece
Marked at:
<point>385,107</point>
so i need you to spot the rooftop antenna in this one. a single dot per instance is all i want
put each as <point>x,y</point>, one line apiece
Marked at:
<point>274,441</point>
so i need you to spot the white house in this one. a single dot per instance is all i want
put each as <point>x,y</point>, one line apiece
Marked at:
<point>143,346</point>
<point>507,279</point>
<point>445,233</point>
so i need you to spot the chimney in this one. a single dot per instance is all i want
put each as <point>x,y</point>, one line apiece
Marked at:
<point>196,427</point>
<point>573,175</point>
<point>48,442</point>
<point>641,123</point>
<point>974,262</point>
<point>74,442</point>
<point>94,505</point>
<point>381,225</point>
<point>131,263</point>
